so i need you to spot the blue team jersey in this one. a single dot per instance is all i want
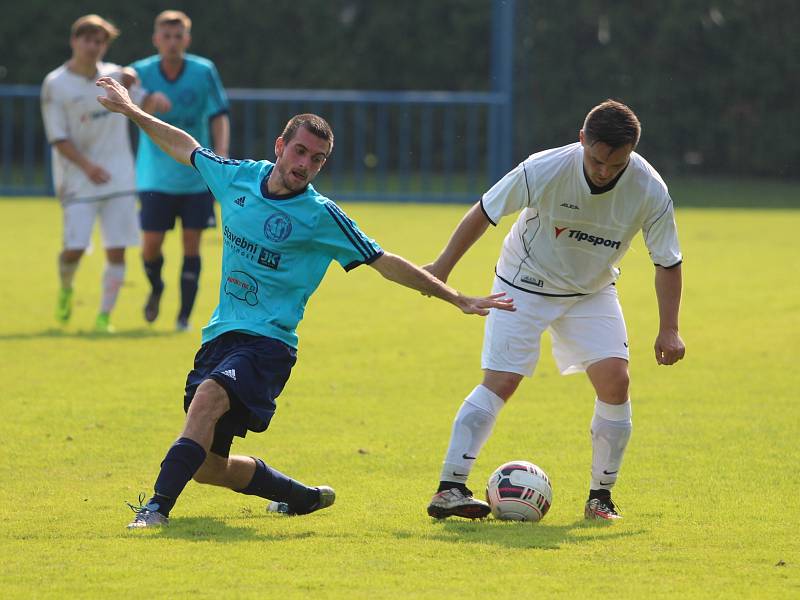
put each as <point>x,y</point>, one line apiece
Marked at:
<point>196,96</point>
<point>275,249</point>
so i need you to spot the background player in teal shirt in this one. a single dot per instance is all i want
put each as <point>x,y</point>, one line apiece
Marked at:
<point>280,235</point>
<point>196,102</point>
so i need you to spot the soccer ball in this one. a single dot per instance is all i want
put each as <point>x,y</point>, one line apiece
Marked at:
<point>519,491</point>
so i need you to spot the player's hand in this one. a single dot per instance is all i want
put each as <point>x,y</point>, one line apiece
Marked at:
<point>128,78</point>
<point>481,306</point>
<point>158,102</point>
<point>116,98</point>
<point>96,173</point>
<point>669,347</point>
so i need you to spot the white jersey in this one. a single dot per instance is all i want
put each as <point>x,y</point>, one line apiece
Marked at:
<point>568,241</point>
<point>71,112</point>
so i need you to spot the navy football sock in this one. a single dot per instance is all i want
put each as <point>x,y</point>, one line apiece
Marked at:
<point>273,485</point>
<point>152,268</point>
<point>190,275</point>
<point>449,485</point>
<point>178,467</point>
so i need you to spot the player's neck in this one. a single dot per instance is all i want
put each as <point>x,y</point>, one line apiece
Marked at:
<point>275,186</point>
<point>172,67</point>
<point>84,69</point>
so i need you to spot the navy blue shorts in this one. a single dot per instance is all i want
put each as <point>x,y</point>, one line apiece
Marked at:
<point>159,211</point>
<point>253,371</point>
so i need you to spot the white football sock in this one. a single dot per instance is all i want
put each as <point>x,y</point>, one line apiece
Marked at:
<point>66,272</point>
<point>113,278</point>
<point>611,430</point>
<point>471,428</point>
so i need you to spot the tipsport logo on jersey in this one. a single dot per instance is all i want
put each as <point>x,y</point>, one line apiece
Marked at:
<point>250,250</point>
<point>582,236</point>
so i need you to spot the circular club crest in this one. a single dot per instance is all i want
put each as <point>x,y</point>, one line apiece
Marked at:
<point>187,97</point>
<point>278,227</point>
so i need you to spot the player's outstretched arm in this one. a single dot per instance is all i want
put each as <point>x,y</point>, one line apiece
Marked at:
<point>398,269</point>
<point>669,346</point>
<point>468,231</point>
<point>175,142</point>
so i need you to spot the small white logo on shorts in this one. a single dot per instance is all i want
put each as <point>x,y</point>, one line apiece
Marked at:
<point>230,373</point>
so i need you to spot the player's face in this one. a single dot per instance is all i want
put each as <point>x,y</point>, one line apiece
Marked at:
<point>171,41</point>
<point>90,47</point>
<point>603,163</point>
<point>299,160</point>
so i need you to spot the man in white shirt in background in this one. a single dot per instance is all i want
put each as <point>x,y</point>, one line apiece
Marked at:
<point>579,208</point>
<point>93,169</point>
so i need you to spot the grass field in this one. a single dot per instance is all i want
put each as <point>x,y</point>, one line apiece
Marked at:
<point>709,488</point>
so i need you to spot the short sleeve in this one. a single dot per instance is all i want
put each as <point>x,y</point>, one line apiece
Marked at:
<point>661,235</point>
<point>53,115</point>
<point>216,171</point>
<point>507,196</point>
<point>217,98</point>
<point>341,239</point>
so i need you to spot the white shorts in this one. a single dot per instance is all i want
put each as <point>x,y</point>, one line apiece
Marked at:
<point>119,222</point>
<point>584,329</point>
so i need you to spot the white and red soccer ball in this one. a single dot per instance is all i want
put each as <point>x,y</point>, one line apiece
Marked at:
<point>519,491</point>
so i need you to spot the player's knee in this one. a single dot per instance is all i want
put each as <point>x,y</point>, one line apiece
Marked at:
<point>502,384</point>
<point>210,402</point>
<point>613,386</point>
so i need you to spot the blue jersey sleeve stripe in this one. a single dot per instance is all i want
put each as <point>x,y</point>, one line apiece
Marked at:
<point>191,158</point>
<point>217,91</point>
<point>215,157</point>
<point>367,246</point>
<point>358,263</point>
<point>347,232</point>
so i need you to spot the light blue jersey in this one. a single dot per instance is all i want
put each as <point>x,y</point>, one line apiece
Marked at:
<point>275,249</point>
<point>197,96</point>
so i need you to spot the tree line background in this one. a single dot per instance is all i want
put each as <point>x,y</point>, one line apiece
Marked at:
<point>716,84</point>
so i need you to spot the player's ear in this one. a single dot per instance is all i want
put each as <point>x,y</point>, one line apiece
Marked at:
<point>187,39</point>
<point>279,146</point>
<point>581,137</point>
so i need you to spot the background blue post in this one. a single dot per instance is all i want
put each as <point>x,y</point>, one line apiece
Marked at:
<point>501,129</point>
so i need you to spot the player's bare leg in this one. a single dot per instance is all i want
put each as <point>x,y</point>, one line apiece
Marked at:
<point>68,262</point>
<point>611,430</point>
<point>153,260</point>
<point>251,476</point>
<point>190,276</point>
<point>185,456</point>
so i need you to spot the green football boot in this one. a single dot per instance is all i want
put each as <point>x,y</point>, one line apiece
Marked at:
<point>64,306</point>
<point>103,324</point>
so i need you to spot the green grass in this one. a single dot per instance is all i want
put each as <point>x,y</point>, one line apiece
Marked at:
<point>709,487</point>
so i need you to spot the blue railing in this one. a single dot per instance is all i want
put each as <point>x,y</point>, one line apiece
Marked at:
<point>399,146</point>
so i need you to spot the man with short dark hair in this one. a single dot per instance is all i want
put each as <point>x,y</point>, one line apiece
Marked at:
<point>93,169</point>
<point>196,102</point>
<point>279,237</point>
<point>580,206</point>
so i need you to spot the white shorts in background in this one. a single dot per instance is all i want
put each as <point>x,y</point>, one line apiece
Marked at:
<point>119,222</point>
<point>584,329</point>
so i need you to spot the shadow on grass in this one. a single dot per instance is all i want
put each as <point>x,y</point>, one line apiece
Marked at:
<point>526,535</point>
<point>56,333</point>
<point>203,529</point>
